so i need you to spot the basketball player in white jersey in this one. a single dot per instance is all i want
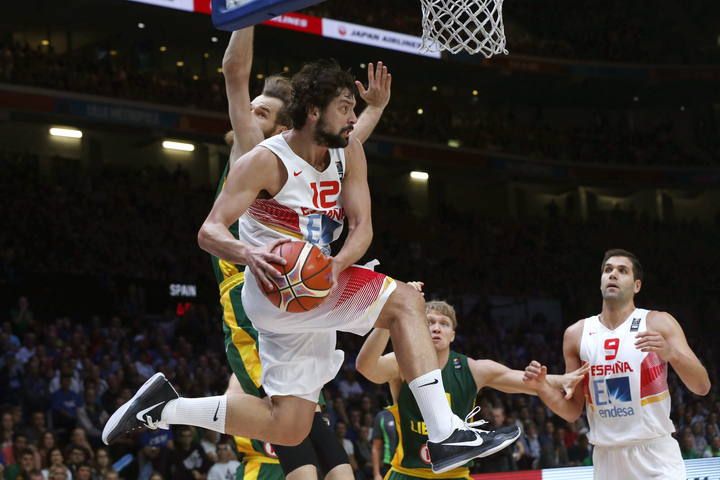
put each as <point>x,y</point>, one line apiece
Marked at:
<point>626,393</point>
<point>303,184</point>
<point>252,122</point>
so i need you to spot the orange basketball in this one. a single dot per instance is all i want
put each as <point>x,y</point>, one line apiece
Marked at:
<point>305,281</point>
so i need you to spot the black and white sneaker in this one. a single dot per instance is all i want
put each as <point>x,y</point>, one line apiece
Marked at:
<point>466,443</point>
<point>142,410</point>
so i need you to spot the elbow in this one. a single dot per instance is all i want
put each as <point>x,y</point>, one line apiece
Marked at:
<point>235,69</point>
<point>571,417</point>
<point>203,238</point>
<point>366,370</point>
<point>361,366</point>
<point>703,389</point>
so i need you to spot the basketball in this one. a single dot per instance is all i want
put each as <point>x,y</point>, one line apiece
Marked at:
<point>306,278</point>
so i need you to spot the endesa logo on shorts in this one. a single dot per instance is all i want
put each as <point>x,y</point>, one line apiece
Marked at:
<point>612,396</point>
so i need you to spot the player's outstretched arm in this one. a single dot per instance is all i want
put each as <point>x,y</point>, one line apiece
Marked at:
<point>257,171</point>
<point>495,375</point>
<point>376,96</point>
<point>356,202</point>
<point>665,336</point>
<point>536,376</point>
<point>237,65</point>
<point>371,362</point>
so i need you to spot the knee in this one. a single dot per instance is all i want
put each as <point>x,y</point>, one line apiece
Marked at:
<point>408,301</point>
<point>292,437</point>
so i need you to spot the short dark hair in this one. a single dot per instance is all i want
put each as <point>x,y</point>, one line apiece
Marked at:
<point>316,85</point>
<point>619,252</point>
<point>277,86</point>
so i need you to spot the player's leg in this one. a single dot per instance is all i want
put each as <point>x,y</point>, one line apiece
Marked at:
<point>298,462</point>
<point>333,459</point>
<point>451,442</point>
<point>286,420</point>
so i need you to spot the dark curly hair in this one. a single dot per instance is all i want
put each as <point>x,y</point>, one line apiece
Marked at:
<point>316,85</point>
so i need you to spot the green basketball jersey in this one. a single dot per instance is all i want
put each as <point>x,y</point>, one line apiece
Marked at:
<point>224,270</point>
<point>411,456</point>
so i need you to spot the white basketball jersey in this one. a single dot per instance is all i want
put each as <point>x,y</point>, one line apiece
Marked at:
<point>306,208</point>
<point>626,392</point>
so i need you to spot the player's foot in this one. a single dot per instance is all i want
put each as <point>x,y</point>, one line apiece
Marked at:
<point>142,410</point>
<point>466,443</point>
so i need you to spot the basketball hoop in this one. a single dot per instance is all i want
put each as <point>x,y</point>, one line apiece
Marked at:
<point>475,26</point>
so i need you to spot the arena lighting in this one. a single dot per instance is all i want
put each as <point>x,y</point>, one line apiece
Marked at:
<point>214,39</point>
<point>420,176</point>
<point>65,132</point>
<point>454,143</point>
<point>179,146</point>
<point>141,25</point>
<point>420,111</point>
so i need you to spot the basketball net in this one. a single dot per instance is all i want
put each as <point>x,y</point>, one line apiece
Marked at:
<point>475,26</point>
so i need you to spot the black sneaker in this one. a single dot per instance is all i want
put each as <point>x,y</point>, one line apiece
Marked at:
<point>142,410</point>
<point>466,443</point>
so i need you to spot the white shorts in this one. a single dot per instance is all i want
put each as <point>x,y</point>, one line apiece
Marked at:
<point>657,459</point>
<point>297,350</point>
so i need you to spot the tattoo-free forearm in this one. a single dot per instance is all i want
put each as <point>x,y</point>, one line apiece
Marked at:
<point>371,351</point>
<point>554,398</point>
<point>238,58</point>
<point>691,372</point>
<point>366,123</point>
<point>356,244</point>
<point>217,240</point>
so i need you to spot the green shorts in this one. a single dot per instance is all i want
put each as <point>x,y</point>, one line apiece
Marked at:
<point>395,475</point>
<point>241,341</point>
<point>259,471</point>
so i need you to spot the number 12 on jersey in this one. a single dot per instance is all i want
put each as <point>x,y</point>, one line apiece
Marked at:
<point>325,193</point>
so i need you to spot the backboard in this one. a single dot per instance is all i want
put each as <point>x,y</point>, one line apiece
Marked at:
<point>232,15</point>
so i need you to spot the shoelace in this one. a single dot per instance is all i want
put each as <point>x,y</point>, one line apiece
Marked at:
<point>470,425</point>
<point>152,424</point>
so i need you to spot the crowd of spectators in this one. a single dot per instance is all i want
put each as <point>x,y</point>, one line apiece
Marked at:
<point>631,135</point>
<point>62,372</point>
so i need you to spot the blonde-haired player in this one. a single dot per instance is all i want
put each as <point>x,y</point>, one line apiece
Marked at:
<point>626,396</point>
<point>463,377</point>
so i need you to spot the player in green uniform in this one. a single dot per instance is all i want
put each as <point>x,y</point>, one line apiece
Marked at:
<point>252,122</point>
<point>463,377</point>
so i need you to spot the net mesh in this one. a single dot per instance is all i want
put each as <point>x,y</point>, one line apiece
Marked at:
<point>475,26</point>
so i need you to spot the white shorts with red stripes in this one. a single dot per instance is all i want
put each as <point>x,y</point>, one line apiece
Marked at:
<point>297,350</point>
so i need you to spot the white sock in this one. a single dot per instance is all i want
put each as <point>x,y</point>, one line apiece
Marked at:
<point>207,412</point>
<point>429,393</point>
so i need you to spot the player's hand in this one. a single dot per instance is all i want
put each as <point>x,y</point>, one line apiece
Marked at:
<point>379,83</point>
<point>535,375</point>
<point>377,477</point>
<point>649,341</point>
<point>259,259</point>
<point>418,286</point>
<point>571,379</point>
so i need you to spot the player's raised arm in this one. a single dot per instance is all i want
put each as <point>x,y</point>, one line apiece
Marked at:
<point>372,364</point>
<point>257,171</point>
<point>665,336</point>
<point>376,96</point>
<point>237,65</point>
<point>356,202</point>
